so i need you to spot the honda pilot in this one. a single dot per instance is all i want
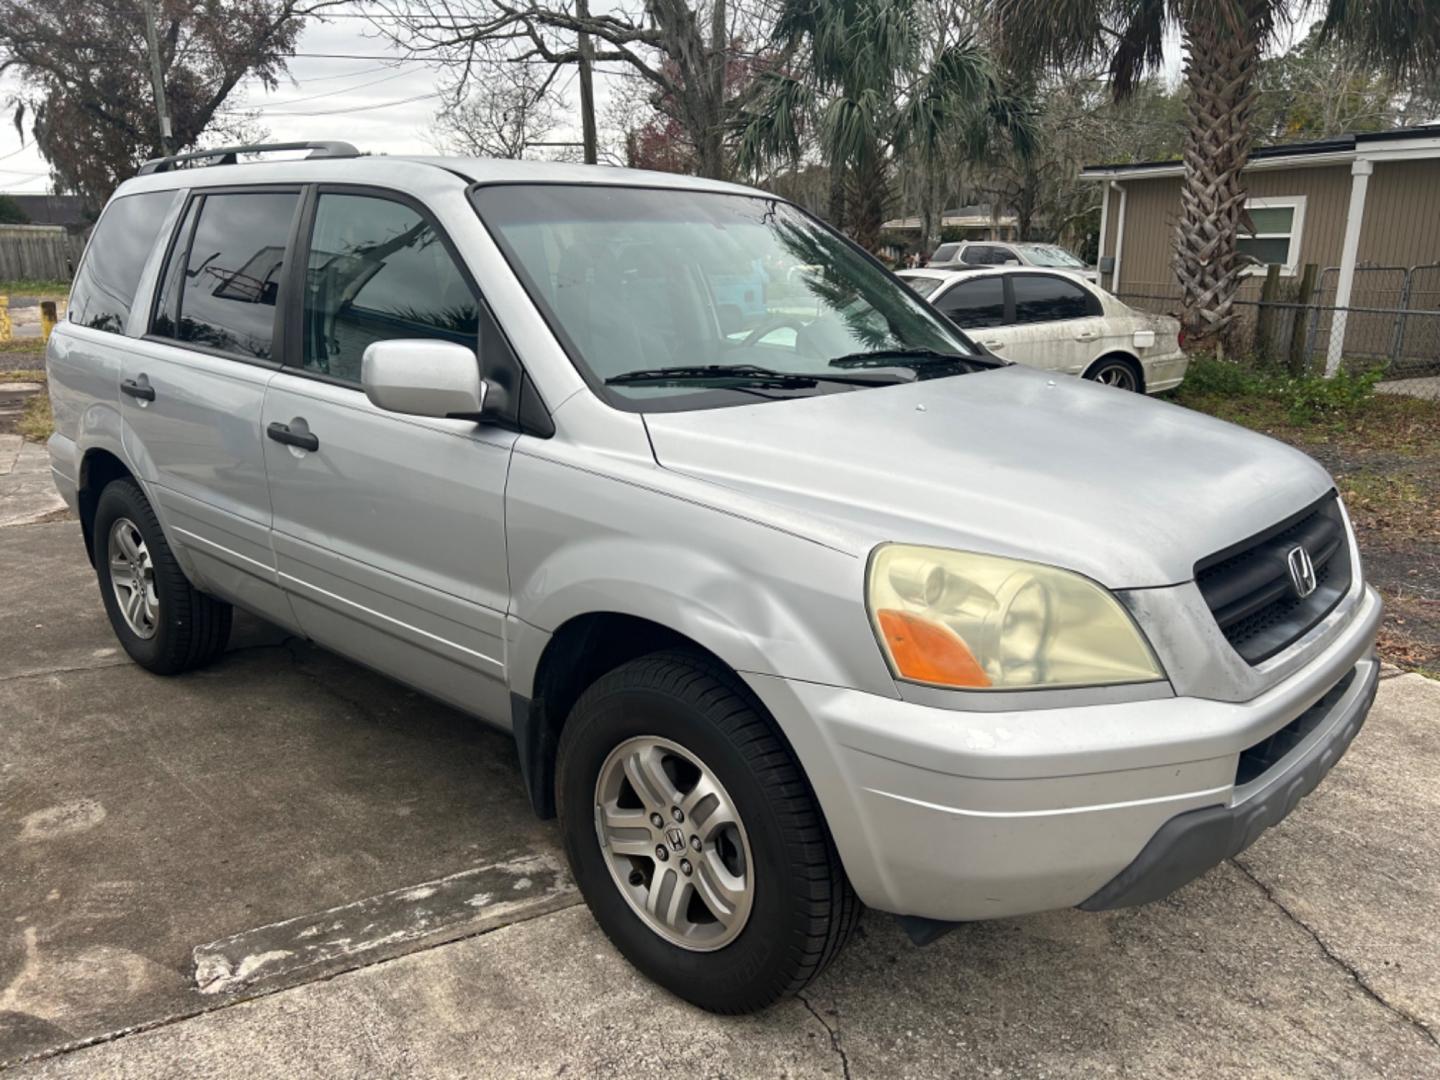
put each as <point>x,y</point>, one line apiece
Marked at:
<point>793,603</point>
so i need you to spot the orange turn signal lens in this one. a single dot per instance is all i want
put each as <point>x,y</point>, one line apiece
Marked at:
<point>929,651</point>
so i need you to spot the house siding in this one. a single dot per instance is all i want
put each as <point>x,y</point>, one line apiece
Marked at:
<point>1401,225</point>
<point>1402,215</point>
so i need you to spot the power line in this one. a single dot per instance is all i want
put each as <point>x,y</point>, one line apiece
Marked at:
<point>329,93</point>
<point>355,108</point>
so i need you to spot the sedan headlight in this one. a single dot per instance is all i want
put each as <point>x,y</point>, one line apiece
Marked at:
<point>951,618</point>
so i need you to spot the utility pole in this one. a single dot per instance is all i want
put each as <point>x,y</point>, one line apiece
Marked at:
<point>587,88</point>
<point>157,80</point>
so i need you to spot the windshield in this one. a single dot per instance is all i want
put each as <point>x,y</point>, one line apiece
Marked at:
<point>1050,255</point>
<point>669,299</point>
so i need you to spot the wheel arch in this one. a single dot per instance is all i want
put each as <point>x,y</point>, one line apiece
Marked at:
<point>98,468</point>
<point>1130,359</point>
<point>579,652</point>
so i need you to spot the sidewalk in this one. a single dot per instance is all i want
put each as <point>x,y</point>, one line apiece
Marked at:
<point>27,493</point>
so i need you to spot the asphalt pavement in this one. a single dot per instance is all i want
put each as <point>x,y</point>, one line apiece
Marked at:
<point>287,866</point>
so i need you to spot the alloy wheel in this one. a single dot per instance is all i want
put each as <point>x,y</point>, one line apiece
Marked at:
<point>674,842</point>
<point>132,578</point>
<point>1117,375</point>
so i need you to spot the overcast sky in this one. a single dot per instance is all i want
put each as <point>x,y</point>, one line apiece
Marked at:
<point>346,83</point>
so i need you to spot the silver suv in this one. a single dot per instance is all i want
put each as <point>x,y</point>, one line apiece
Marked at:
<point>968,254</point>
<point>792,597</point>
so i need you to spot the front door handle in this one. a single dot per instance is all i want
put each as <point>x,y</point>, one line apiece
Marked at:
<point>144,391</point>
<point>993,344</point>
<point>281,433</point>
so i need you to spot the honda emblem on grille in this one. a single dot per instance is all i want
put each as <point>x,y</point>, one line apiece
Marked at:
<point>1302,571</point>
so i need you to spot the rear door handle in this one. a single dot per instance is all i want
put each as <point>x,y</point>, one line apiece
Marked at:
<point>144,391</point>
<point>281,433</point>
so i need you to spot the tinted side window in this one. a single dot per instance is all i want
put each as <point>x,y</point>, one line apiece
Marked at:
<point>1042,298</point>
<point>378,270</point>
<point>110,272</point>
<point>977,255</point>
<point>231,280</point>
<point>945,252</point>
<point>973,304</point>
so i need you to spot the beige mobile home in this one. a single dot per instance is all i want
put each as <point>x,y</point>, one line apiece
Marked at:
<point>1365,209</point>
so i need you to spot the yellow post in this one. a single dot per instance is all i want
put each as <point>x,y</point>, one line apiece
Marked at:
<point>4,317</point>
<point>47,319</point>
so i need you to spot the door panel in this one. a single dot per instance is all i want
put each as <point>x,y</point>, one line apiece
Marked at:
<point>389,530</point>
<point>192,408</point>
<point>1057,324</point>
<point>390,537</point>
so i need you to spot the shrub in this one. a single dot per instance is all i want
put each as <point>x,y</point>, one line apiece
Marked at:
<point>1305,399</point>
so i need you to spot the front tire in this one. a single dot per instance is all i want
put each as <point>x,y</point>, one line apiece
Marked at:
<point>668,757</point>
<point>164,623</point>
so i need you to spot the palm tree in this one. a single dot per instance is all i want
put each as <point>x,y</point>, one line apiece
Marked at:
<point>867,87</point>
<point>1224,41</point>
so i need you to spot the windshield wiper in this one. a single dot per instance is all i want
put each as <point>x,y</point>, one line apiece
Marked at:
<point>916,359</point>
<point>750,375</point>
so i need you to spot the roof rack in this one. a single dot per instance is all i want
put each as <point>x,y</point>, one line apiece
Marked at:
<point>229,155</point>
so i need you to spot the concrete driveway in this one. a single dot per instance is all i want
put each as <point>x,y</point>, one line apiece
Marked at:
<point>286,866</point>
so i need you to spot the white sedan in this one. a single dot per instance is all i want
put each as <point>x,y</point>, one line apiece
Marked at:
<point>1054,321</point>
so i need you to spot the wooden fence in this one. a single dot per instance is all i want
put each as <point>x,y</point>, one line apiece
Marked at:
<point>38,253</point>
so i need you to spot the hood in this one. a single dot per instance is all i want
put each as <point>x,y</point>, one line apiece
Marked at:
<point>1009,461</point>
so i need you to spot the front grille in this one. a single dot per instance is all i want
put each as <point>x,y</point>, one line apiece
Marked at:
<point>1249,589</point>
<point>1263,756</point>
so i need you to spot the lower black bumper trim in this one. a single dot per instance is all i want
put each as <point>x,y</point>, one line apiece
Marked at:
<point>1191,843</point>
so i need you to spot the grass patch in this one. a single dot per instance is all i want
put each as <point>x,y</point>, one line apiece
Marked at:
<point>1218,386</point>
<point>1343,413</point>
<point>22,345</point>
<point>43,288</point>
<point>23,375</point>
<point>38,422</point>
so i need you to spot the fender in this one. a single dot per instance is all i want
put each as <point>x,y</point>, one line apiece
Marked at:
<point>761,600</point>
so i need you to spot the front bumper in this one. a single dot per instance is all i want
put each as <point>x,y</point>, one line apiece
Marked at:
<point>957,816</point>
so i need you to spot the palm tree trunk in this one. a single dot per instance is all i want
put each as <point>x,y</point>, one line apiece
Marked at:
<point>871,195</point>
<point>836,213</point>
<point>1220,62</point>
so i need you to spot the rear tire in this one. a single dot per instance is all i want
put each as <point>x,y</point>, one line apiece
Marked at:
<point>786,906</point>
<point>164,623</point>
<point>1118,371</point>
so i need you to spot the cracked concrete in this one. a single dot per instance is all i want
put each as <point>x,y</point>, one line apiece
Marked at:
<point>285,782</point>
<point>27,492</point>
<point>141,816</point>
<point>833,1031</point>
<point>1330,955</point>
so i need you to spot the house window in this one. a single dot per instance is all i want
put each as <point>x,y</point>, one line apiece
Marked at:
<point>1276,240</point>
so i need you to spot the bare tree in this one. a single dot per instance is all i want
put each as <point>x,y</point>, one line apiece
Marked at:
<point>690,52</point>
<point>511,108</point>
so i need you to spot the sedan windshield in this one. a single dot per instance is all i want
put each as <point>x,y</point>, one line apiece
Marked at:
<point>673,299</point>
<point>1050,255</point>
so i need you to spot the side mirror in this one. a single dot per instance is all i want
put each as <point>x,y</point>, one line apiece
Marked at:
<point>422,377</point>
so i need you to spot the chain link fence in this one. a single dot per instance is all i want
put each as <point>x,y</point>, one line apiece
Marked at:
<point>1392,320</point>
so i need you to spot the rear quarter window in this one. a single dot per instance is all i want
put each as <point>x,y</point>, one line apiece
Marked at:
<point>104,289</point>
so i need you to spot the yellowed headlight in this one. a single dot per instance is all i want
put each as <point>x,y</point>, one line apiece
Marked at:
<point>951,618</point>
